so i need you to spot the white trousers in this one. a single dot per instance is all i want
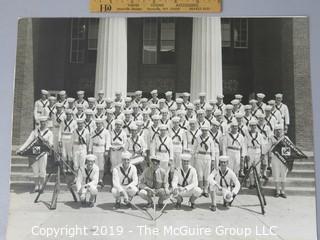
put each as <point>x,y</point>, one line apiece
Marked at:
<point>131,191</point>
<point>79,156</point>
<point>39,167</point>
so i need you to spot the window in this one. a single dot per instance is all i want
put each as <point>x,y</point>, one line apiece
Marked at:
<point>234,32</point>
<point>158,41</point>
<point>240,33</point>
<point>226,32</point>
<point>84,39</point>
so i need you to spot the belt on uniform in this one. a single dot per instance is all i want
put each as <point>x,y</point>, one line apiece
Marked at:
<point>163,151</point>
<point>254,147</point>
<point>176,143</point>
<point>234,148</point>
<point>65,133</point>
<point>205,153</point>
<point>79,144</point>
<point>98,145</point>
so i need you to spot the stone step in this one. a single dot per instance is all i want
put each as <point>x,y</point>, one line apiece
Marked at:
<point>294,182</point>
<point>19,160</point>
<point>303,165</point>
<point>309,173</point>
<point>294,191</point>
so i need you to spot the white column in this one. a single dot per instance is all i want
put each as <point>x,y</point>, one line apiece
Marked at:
<point>111,69</point>
<point>206,62</point>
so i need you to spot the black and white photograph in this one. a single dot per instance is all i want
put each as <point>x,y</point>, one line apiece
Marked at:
<point>162,128</point>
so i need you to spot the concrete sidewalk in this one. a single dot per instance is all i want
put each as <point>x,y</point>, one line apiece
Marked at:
<point>293,218</point>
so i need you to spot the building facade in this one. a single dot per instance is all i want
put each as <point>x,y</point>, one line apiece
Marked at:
<point>227,55</point>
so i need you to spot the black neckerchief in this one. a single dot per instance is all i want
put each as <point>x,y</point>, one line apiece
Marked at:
<point>262,130</point>
<point>127,124</point>
<point>185,178</point>
<point>204,142</point>
<point>126,176</point>
<point>80,136</point>
<point>240,130</point>
<point>254,139</point>
<point>67,125</point>
<point>162,143</point>
<point>44,104</point>
<point>155,132</point>
<point>58,119</point>
<point>117,135</point>
<point>98,134</point>
<point>194,137</point>
<point>222,177</point>
<point>235,138</point>
<point>88,179</point>
<point>51,110</point>
<point>176,134</point>
<point>135,143</point>
<point>109,124</point>
<point>214,137</point>
<point>87,125</point>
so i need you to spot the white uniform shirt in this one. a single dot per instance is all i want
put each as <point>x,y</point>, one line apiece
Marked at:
<point>121,177</point>
<point>284,112</point>
<point>205,145</point>
<point>224,180</point>
<point>160,144</point>
<point>100,140</point>
<point>39,108</point>
<point>118,139</point>
<point>90,177</point>
<point>187,179</point>
<point>66,129</point>
<point>234,142</point>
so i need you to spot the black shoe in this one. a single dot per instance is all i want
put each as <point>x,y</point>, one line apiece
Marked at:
<point>117,205</point>
<point>283,195</point>
<point>213,208</point>
<point>251,187</point>
<point>160,205</point>
<point>276,195</point>
<point>205,194</point>
<point>192,205</point>
<point>90,204</point>
<point>149,205</point>
<point>241,173</point>
<point>101,184</point>
<point>265,178</point>
<point>178,205</point>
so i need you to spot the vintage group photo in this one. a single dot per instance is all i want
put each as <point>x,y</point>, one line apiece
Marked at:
<point>165,122</point>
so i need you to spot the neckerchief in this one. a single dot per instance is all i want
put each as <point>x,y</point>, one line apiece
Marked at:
<point>80,136</point>
<point>162,143</point>
<point>176,134</point>
<point>222,177</point>
<point>98,134</point>
<point>135,143</point>
<point>194,137</point>
<point>88,179</point>
<point>126,176</point>
<point>254,139</point>
<point>117,135</point>
<point>87,125</point>
<point>58,119</point>
<point>185,178</point>
<point>67,125</point>
<point>155,132</point>
<point>235,138</point>
<point>204,142</point>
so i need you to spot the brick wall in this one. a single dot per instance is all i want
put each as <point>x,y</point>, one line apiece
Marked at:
<point>302,84</point>
<point>24,85</point>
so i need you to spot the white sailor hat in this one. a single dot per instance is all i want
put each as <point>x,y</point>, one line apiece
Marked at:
<point>253,122</point>
<point>91,99</point>
<point>239,115</point>
<point>59,105</point>
<point>156,117</point>
<point>62,92</point>
<point>260,115</point>
<point>52,98</point>
<point>133,126</point>
<point>261,95</point>
<point>134,105</point>
<point>220,96</point>
<point>164,110</point>
<point>278,95</point>
<point>43,118</point>
<point>44,92</point>
<point>202,94</point>
<point>238,96</point>
<point>128,99</point>
<point>247,107</point>
<point>228,107</point>
<point>139,123</point>
<point>205,127</point>
<point>217,113</point>
<point>117,93</point>
<point>163,127</point>
<point>80,92</point>
<point>181,112</point>
<point>118,104</point>
<point>118,121</point>
<point>253,101</point>
<point>161,100</point>
<point>224,158</point>
<point>234,123</point>
<point>80,120</point>
<point>200,111</point>
<point>153,106</point>
<point>227,195</point>
<point>146,112</point>
<point>235,102</point>
<point>186,94</point>
<point>127,111</point>
<point>125,155</point>
<point>99,120</point>
<point>215,122</point>
<point>268,108</point>
<point>197,101</point>
<point>213,101</point>
<point>70,99</point>
<point>154,91</point>
<point>110,111</point>
<point>109,100</point>
<point>179,100</point>
<point>168,93</point>
<point>173,108</point>
<point>138,92</point>
<point>192,121</point>
<point>175,119</point>
<point>185,157</point>
<point>68,111</point>
<point>155,159</point>
<point>278,127</point>
<point>100,92</point>
<point>88,112</point>
<point>79,106</point>
<point>144,100</point>
<point>271,102</point>
<point>100,106</point>
<point>208,108</point>
<point>91,157</point>
<point>190,106</point>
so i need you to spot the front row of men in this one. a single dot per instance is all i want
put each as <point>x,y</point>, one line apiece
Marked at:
<point>154,182</point>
